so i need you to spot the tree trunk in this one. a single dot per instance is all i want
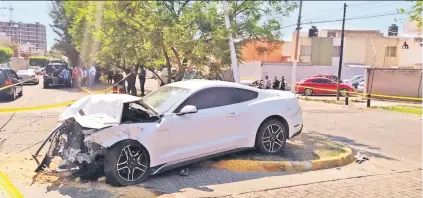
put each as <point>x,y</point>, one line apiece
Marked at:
<point>157,75</point>
<point>168,65</point>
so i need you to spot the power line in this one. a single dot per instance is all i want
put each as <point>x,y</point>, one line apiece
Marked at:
<point>347,19</point>
<point>325,11</point>
<point>353,5</point>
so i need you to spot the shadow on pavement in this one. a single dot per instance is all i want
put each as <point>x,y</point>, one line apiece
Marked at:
<point>362,148</point>
<point>201,174</point>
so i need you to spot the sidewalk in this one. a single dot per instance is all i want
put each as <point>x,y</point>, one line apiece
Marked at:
<point>357,101</point>
<point>402,184</point>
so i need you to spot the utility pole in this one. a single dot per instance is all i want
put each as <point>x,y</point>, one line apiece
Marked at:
<point>297,37</point>
<point>234,60</point>
<point>341,53</point>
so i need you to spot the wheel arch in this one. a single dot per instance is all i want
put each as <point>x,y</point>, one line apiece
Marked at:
<point>279,118</point>
<point>132,140</point>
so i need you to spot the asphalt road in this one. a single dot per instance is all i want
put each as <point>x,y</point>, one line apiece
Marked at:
<point>391,140</point>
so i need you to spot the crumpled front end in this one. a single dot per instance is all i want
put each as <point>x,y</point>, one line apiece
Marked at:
<point>67,142</point>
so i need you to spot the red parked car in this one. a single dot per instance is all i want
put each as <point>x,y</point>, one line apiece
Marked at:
<point>313,86</point>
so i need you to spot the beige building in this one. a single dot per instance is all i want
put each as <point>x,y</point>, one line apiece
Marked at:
<point>361,47</point>
<point>34,33</point>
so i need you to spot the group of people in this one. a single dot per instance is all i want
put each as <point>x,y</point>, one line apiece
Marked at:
<point>268,84</point>
<point>130,79</point>
<point>82,77</point>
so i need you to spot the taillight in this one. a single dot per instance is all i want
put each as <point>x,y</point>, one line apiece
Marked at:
<point>8,82</point>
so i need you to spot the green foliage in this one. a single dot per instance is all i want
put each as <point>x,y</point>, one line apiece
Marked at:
<point>415,13</point>
<point>38,61</point>
<point>5,54</point>
<point>172,33</point>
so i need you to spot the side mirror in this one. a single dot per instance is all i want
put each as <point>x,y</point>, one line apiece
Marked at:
<point>188,110</point>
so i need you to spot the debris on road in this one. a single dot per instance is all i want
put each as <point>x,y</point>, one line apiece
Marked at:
<point>184,172</point>
<point>360,158</point>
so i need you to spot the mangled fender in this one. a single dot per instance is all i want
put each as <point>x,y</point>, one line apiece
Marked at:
<point>109,136</point>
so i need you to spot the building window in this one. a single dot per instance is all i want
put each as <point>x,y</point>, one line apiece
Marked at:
<point>331,34</point>
<point>336,52</point>
<point>305,50</point>
<point>391,51</point>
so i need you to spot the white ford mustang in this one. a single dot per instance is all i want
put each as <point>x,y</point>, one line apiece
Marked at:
<point>180,123</point>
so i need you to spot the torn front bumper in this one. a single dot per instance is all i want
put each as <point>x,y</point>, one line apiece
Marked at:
<point>67,142</point>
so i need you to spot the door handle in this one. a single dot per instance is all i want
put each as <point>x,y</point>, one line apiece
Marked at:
<point>231,114</point>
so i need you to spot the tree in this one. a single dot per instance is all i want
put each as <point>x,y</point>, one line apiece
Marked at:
<point>38,61</point>
<point>415,13</point>
<point>172,33</point>
<point>61,25</point>
<point>5,54</point>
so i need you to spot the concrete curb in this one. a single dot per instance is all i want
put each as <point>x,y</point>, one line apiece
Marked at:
<point>277,166</point>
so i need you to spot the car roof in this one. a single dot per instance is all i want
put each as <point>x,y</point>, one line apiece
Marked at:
<point>320,77</point>
<point>198,84</point>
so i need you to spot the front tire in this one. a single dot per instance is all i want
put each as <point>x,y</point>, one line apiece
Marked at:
<point>343,92</point>
<point>271,137</point>
<point>126,163</point>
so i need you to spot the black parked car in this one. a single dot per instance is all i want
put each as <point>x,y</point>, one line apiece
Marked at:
<point>51,76</point>
<point>9,77</point>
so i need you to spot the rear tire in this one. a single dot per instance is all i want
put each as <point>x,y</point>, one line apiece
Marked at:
<point>13,96</point>
<point>271,137</point>
<point>126,163</point>
<point>45,84</point>
<point>308,92</point>
<point>20,94</point>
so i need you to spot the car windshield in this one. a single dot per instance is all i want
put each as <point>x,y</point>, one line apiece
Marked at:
<point>165,97</point>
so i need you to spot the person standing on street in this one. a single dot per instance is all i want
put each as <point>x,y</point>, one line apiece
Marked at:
<point>267,82</point>
<point>75,76</point>
<point>276,83</point>
<point>141,78</point>
<point>64,77</point>
<point>91,76</point>
<point>85,83</point>
<point>131,80</point>
<point>283,83</point>
<point>110,77</point>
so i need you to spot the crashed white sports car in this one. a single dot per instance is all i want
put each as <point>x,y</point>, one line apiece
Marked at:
<point>178,124</point>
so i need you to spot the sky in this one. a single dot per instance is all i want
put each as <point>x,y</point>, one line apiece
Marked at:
<point>37,11</point>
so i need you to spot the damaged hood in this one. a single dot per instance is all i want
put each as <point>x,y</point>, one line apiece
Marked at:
<point>98,110</point>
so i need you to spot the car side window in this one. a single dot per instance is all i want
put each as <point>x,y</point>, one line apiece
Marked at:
<point>242,95</point>
<point>316,81</point>
<point>209,98</point>
<point>326,81</point>
<point>12,74</point>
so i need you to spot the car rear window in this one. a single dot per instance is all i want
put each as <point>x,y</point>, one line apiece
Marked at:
<point>54,68</point>
<point>3,76</point>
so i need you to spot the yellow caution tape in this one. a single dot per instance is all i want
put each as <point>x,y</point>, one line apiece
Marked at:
<point>8,186</point>
<point>35,108</point>
<point>364,94</point>
<point>16,83</point>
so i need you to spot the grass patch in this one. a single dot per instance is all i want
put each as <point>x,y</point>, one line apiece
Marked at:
<point>403,109</point>
<point>323,100</point>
